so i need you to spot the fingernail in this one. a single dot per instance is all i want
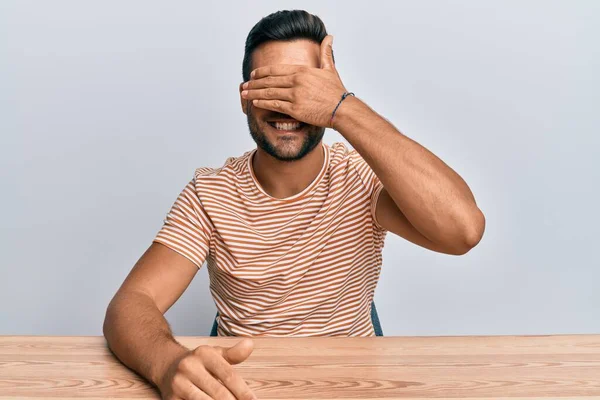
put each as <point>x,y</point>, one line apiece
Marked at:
<point>252,74</point>
<point>245,85</point>
<point>244,93</point>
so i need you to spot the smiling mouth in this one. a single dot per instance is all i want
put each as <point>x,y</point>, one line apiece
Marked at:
<point>287,126</point>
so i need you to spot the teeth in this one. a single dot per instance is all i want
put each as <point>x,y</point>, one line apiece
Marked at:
<point>286,126</point>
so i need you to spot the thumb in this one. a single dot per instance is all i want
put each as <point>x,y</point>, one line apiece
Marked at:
<point>238,353</point>
<point>327,53</point>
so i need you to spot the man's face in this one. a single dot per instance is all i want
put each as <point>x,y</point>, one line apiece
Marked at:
<point>266,126</point>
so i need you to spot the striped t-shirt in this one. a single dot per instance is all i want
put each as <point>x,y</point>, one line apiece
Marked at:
<point>305,265</point>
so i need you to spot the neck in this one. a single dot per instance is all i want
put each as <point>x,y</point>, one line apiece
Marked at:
<point>281,179</point>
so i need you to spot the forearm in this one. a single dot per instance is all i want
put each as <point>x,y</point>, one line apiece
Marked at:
<point>138,334</point>
<point>432,196</point>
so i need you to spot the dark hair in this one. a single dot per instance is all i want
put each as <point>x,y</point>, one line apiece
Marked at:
<point>285,25</point>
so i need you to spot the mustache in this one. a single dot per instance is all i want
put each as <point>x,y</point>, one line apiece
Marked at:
<point>279,115</point>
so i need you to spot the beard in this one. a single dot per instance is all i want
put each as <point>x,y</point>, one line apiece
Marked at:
<point>286,148</point>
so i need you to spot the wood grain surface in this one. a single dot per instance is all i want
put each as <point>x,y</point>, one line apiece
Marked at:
<point>474,367</point>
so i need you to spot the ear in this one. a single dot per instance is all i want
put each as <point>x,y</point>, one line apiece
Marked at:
<point>243,101</point>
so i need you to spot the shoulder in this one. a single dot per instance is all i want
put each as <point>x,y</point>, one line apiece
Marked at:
<point>352,166</point>
<point>232,168</point>
<point>343,154</point>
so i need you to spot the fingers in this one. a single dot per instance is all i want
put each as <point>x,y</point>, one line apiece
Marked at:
<point>223,371</point>
<point>327,53</point>
<point>279,69</point>
<point>204,386</point>
<point>238,353</point>
<point>281,81</point>
<point>206,373</point>
<point>193,381</point>
<point>212,387</point>
<point>191,392</point>
<point>197,373</point>
<point>268,94</point>
<point>274,105</point>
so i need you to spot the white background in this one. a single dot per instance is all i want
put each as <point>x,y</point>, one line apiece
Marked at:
<point>107,107</point>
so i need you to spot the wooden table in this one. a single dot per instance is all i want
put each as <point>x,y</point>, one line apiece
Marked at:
<point>474,367</point>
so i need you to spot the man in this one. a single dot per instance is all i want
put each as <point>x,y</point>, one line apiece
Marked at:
<point>292,231</point>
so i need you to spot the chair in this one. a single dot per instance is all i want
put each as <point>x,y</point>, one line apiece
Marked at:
<point>374,320</point>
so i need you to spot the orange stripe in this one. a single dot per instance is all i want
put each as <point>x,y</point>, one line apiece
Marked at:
<point>306,265</point>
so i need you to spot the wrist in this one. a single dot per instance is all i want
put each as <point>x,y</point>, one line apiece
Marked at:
<point>165,356</point>
<point>346,113</point>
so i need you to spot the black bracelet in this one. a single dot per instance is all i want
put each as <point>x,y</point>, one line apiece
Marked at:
<point>346,94</point>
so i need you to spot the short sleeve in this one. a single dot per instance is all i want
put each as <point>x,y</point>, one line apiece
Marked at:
<point>186,229</point>
<point>370,181</point>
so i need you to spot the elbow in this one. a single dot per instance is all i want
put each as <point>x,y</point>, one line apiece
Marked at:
<point>106,324</point>
<point>109,319</point>
<point>472,233</point>
<point>475,230</point>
